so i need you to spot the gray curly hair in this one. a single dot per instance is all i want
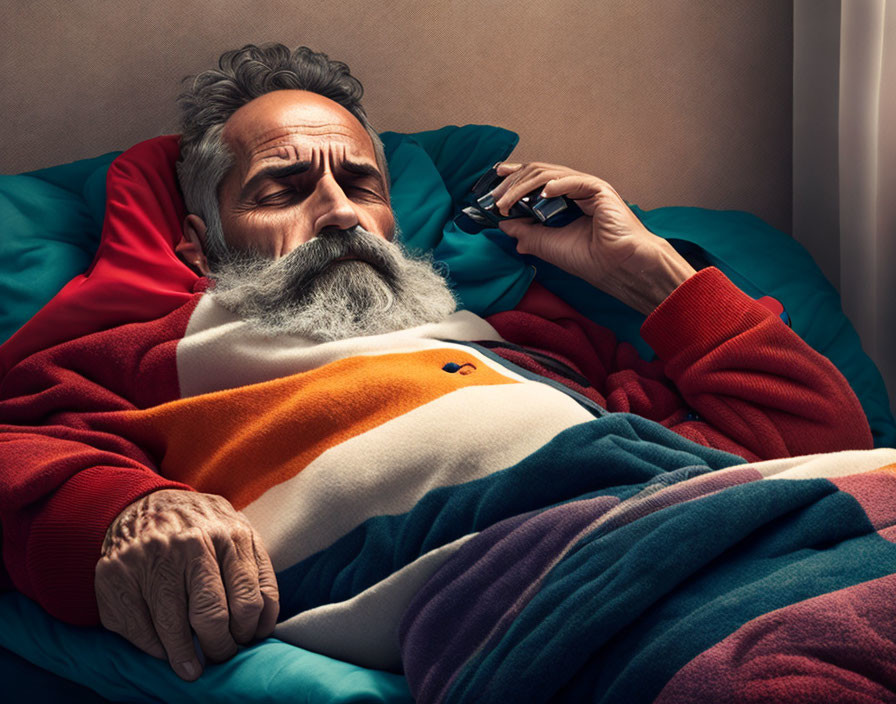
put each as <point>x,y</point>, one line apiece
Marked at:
<point>214,95</point>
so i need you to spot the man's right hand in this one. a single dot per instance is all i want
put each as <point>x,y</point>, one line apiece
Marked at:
<point>610,248</point>
<point>180,559</point>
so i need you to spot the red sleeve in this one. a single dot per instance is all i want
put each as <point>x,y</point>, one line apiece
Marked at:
<point>730,374</point>
<point>67,468</point>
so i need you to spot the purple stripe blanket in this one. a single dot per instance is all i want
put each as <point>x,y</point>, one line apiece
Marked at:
<point>618,564</point>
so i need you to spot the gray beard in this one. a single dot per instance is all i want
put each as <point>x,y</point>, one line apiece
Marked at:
<point>308,293</point>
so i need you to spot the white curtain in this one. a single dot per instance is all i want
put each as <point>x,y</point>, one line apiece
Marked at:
<point>844,208</point>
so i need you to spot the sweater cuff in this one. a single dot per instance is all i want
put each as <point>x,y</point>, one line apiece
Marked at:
<point>66,538</point>
<point>702,313</point>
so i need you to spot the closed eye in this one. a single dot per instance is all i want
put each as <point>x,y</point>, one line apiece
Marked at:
<point>281,194</point>
<point>273,196</point>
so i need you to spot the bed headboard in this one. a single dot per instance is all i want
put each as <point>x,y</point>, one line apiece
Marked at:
<point>674,102</point>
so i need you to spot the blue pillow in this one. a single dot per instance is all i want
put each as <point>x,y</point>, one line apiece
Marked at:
<point>432,172</point>
<point>266,671</point>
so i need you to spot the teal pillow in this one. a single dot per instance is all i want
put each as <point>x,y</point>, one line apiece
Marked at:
<point>267,671</point>
<point>51,222</point>
<point>432,172</point>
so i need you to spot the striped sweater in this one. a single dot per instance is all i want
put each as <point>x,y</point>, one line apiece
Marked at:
<point>330,434</point>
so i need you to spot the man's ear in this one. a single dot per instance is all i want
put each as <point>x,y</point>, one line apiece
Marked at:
<point>190,248</point>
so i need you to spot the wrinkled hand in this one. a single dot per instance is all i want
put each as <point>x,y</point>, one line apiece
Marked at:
<point>180,559</point>
<point>609,247</point>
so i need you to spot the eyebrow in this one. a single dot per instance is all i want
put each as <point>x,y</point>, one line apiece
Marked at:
<point>359,168</point>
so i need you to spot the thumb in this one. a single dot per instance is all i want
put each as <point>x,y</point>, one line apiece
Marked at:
<point>525,233</point>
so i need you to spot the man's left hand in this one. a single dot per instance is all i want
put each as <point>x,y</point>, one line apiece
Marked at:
<point>609,247</point>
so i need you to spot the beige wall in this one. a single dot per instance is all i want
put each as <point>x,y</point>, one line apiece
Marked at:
<point>674,102</point>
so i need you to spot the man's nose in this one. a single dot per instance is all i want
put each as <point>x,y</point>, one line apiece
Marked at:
<point>333,208</point>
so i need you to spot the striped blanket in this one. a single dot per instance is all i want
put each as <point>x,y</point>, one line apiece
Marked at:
<point>666,581</point>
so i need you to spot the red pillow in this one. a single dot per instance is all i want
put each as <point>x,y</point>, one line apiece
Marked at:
<point>136,274</point>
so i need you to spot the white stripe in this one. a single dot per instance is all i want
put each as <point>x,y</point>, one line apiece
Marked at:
<point>220,351</point>
<point>364,629</point>
<point>825,464</point>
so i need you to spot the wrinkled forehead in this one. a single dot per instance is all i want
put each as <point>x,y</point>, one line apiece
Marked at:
<point>300,118</point>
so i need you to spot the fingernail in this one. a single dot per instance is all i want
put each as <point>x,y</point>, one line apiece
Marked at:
<point>190,668</point>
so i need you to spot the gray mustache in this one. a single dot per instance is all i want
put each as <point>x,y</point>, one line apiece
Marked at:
<point>309,260</point>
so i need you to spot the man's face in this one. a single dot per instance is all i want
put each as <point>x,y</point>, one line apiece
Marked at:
<point>303,164</point>
<point>308,225</point>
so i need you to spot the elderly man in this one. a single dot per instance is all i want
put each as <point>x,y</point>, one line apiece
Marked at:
<point>317,330</point>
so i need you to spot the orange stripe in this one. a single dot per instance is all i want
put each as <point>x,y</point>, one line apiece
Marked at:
<point>240,442</point>
<point>889,468</point>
